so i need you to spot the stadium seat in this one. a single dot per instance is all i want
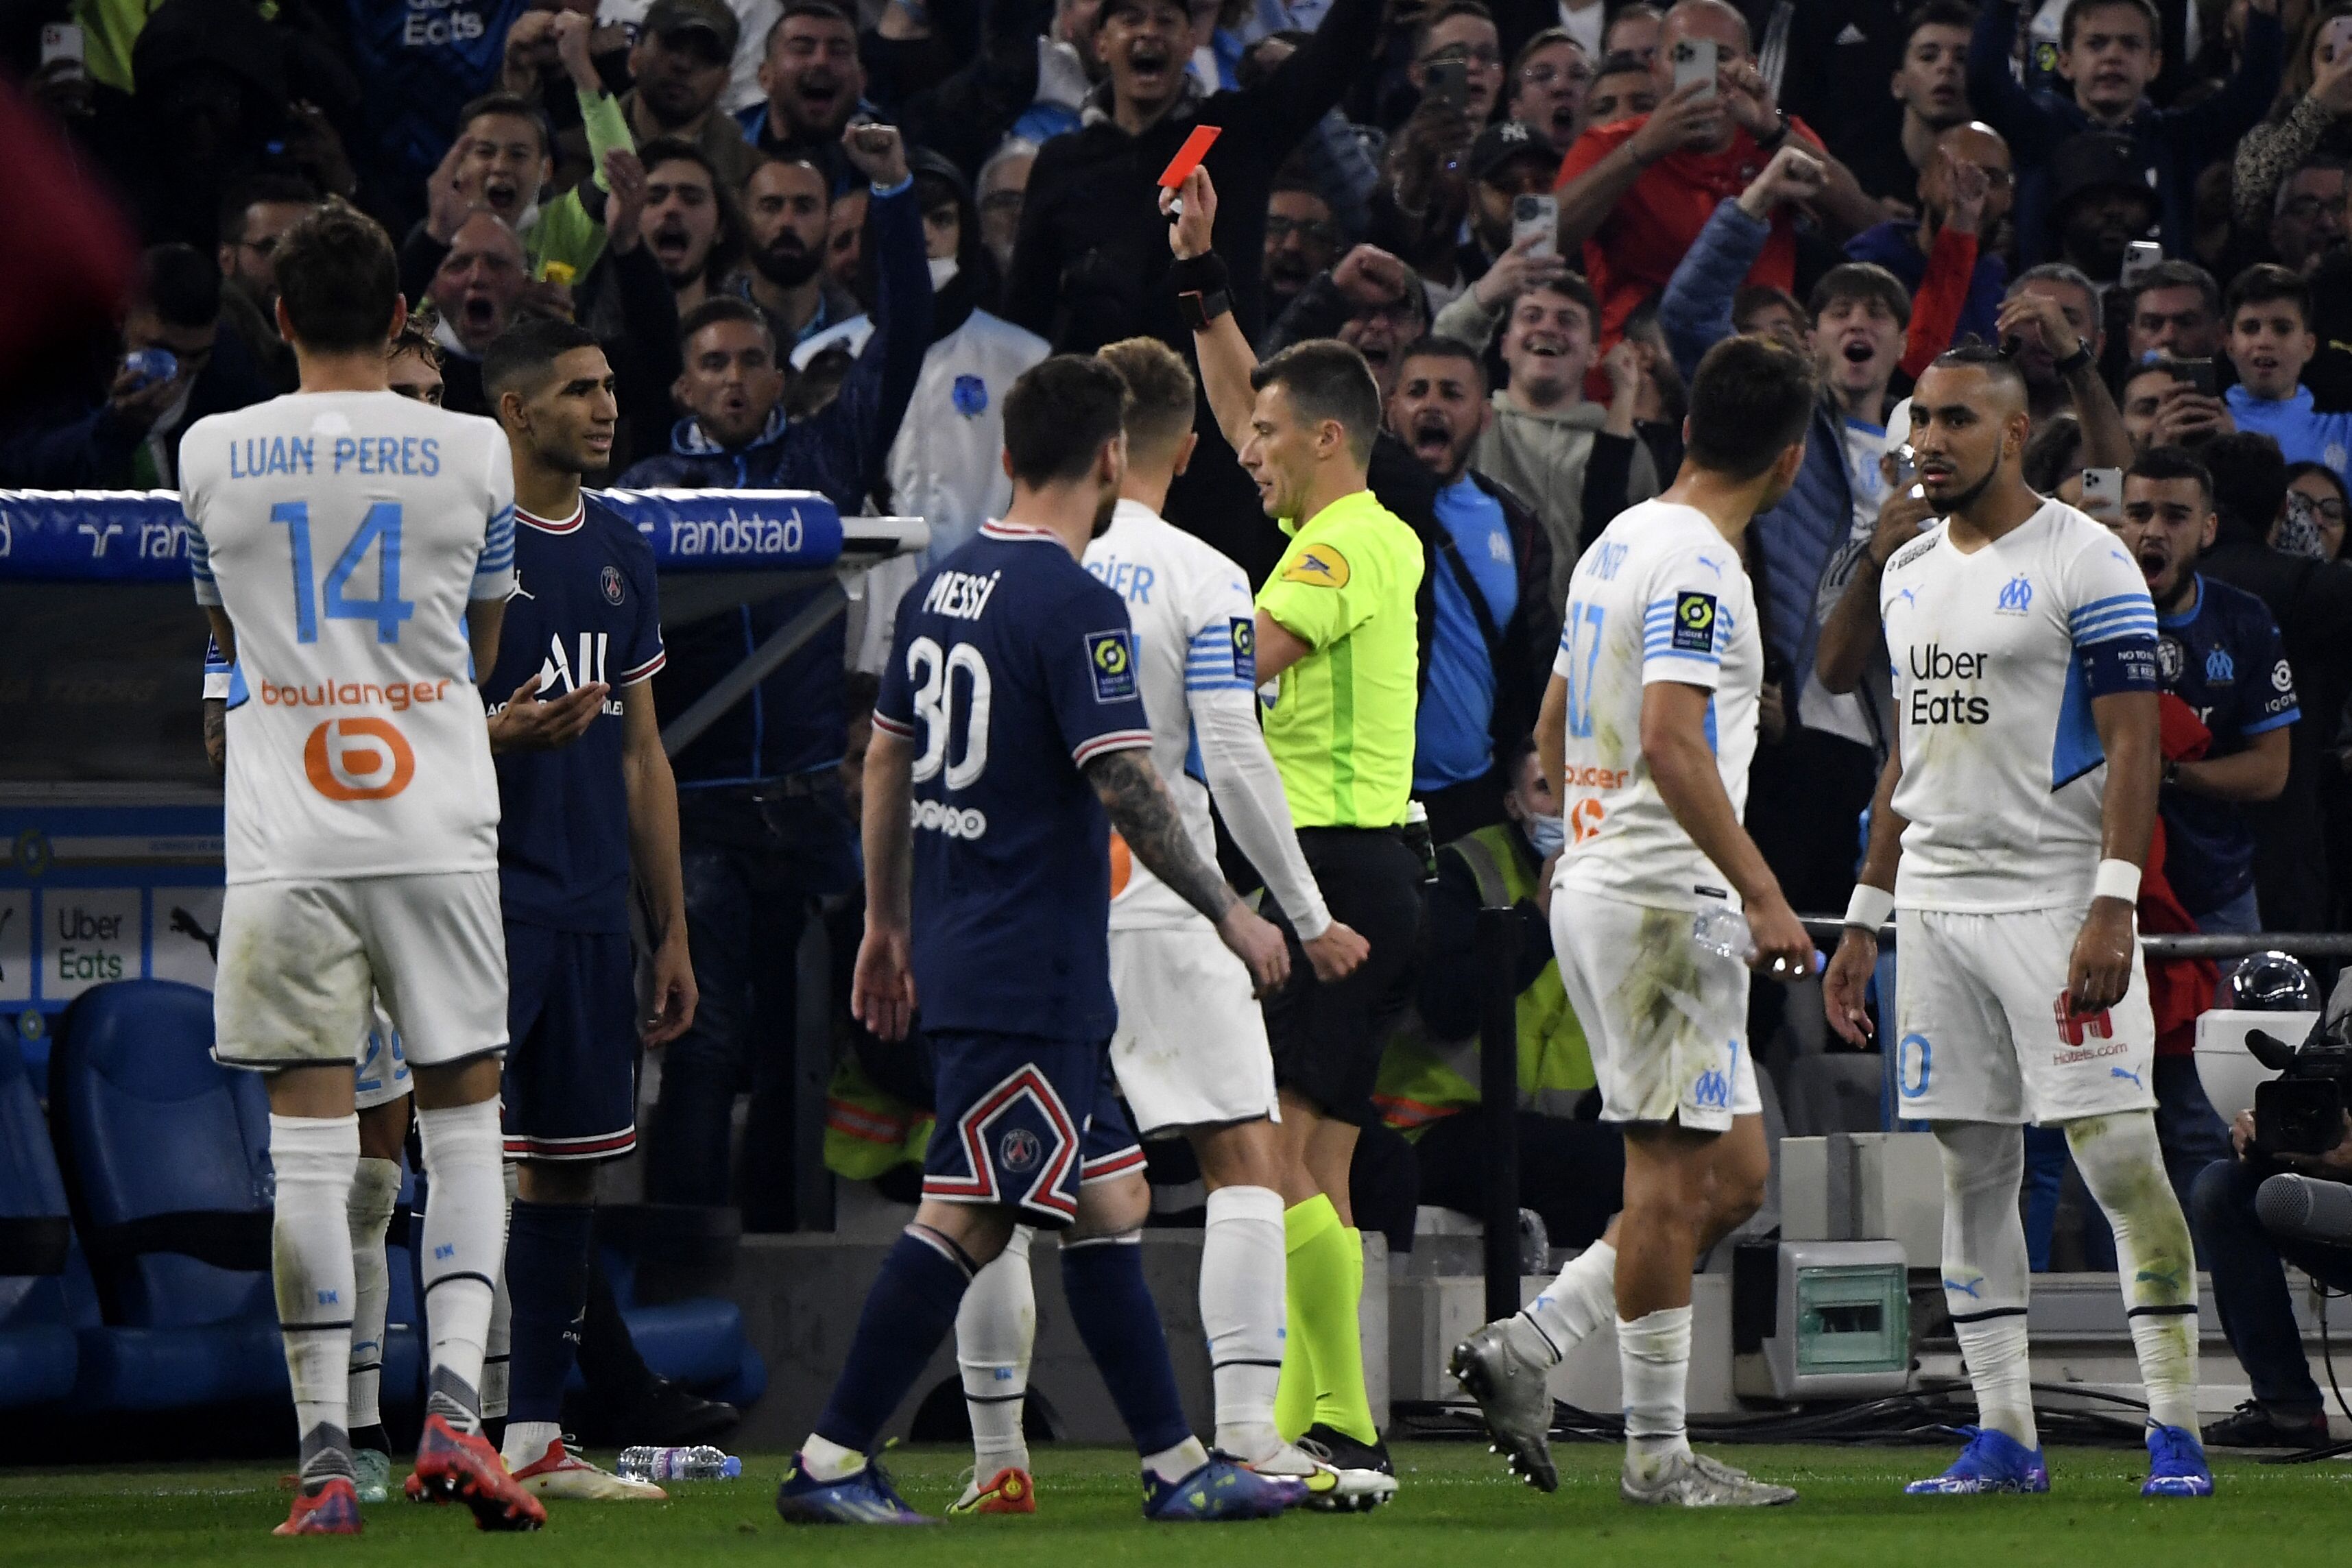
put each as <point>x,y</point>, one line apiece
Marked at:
<point>697,1342</point>
<point>45,1291</point>
<point>165,1159</point>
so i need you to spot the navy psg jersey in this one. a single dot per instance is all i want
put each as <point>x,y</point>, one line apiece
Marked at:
<point>584,609</point>
<point>2223,658</point>
<point>1011,669</point>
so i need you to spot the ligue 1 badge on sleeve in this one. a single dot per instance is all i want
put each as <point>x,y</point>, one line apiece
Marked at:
<point>970,395</point>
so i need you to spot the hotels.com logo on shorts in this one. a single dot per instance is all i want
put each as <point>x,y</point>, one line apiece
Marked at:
<point>358,759</point>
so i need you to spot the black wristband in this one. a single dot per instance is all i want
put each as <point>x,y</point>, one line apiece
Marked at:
<point>1203,274</point>
<point>1779,132</point>
<point>1200,309</point>
<point>2076,361</point>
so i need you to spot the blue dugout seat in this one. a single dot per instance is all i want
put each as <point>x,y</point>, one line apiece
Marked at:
<point>697,1342</point>
<point>44,1289</point>
<point>165,1159</point>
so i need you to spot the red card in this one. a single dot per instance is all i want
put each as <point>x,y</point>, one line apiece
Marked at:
<point>1188,157</point>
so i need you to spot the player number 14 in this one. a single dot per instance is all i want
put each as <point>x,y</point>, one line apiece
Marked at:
<point>380,528</point>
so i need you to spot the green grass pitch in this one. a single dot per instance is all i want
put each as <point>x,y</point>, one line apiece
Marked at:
<point>1457,1507</point>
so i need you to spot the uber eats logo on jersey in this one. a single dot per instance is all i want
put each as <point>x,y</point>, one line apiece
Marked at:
<point>1318,564</point>
<point>1694,622</point>
<point>1936,663</point>
<point>1112,657</point>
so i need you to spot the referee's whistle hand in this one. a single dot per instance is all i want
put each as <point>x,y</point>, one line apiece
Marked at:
<point>1337,952</point>
<point>1258,945</point>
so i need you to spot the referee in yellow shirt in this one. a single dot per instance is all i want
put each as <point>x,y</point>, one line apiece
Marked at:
<point>1338,636</point>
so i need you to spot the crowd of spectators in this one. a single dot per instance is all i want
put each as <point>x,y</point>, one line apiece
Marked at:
<point>820,237</point>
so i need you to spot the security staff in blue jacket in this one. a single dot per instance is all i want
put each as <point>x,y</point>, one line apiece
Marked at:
<point>764,829</point>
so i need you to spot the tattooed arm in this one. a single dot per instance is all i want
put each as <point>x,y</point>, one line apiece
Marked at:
<point>216,732</point>
<point>1146,817</point>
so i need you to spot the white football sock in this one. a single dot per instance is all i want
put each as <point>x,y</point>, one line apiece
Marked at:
<point>1986,1271</point>
<point>1173,1465</point>
<point>827,1461</point>
<point>465,1245</point>
<point>375,1189</point>
<point>2123,1166</point>
<point>993,1331</point>
<point>310,1247</point>
<point>527,1442</point>
<point>498,1357</point>
<point>1653,1363</point>
<point>1571,1309</point>
<point>1242,1315</point>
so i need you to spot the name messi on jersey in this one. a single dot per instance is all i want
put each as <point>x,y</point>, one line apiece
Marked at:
<point>960,595</point>
<point>1936,663</point>
<point>261,456</point>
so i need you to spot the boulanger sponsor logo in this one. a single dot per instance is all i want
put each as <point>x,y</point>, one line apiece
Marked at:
<point>954,821</point>
<point>397,696</point>
<point>358,759</point>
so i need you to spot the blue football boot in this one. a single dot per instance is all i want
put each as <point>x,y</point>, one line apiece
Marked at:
<point>866,1498</point>
<point>2175,1464</point>
<point>1992,1462</point>
<point>1219,1490</point>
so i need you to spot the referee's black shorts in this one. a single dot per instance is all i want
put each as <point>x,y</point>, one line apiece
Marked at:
<point>1328,1040</point>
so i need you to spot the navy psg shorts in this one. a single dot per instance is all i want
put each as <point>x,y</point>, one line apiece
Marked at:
<point>1025,1122</point>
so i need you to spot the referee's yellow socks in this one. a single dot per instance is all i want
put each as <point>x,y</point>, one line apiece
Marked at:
<point>1323,1355</point>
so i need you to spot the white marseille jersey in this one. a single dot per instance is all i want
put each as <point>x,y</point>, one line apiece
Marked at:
<point>344,533</point>
<point>1195,631</point>
<point>2003,774</point>
<point>1661,596</point>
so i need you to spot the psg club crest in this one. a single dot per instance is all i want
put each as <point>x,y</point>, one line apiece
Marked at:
<point>1020,1150</point>
<point>611,581</point>
<point>970,395</point>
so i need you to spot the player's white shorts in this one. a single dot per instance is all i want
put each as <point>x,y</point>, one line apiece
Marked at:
<point>384,1075</point>
<point>1665,1021</point>
<point>301,962</point>
<point>1190,1048</point>
<point>1979,1035</point>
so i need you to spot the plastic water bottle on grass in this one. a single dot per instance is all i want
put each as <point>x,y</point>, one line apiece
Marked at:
<point>702,1463</point>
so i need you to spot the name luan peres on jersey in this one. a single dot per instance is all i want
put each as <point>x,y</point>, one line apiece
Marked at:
<point>344,534</point>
